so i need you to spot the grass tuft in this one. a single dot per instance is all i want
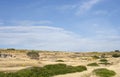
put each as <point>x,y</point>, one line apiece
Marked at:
<point>92,64</point>
<point>59,61</point>
<point>103,72</point>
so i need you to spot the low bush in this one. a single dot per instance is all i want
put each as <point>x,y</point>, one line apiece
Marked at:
<point>105,63</point>
<point>10,49</point>
<point>116,55</point>
<point>80,68</point>
<point>46,71</point>
<point>92,64</point>
<point>95,57</point>
<point>103,60</point>
<point>63,69</point>
<point>103,72</point>
<point>33,55</point>
<point>117,50</point>
<point>59,61</point>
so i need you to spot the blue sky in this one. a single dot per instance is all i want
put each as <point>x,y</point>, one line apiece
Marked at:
<point>74,25</point>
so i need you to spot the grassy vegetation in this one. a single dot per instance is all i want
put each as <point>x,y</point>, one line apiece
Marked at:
<point>95,57</point>
<point>33,55</point>
<point>46,71</point>
<point>59,61</point>
<point>92,64</point>
<point>104,61</point>
<point>103,72</point>
<point>116,55</point>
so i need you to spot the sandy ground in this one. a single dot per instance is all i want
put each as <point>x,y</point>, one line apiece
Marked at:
<point>116,68</point>
<point>12,69</point>
<point>15,64</point>
<point>10,65</point>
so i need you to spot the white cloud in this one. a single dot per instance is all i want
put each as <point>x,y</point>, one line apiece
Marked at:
<point>86,6</point>
<point>30,22</point>
<point>38,37</point>
<point>80,7</point>
<point>53,38</point>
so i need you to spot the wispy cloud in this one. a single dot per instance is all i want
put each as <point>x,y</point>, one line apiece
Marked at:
<point>54,38</point>
<point>80,7</point>
<point>37,37</point>
<point>86,6</point>
<point>29,22</point>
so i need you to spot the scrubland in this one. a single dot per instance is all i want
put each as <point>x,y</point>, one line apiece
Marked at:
<point>91,60</point>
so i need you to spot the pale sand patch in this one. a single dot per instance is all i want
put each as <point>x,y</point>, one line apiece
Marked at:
<point>116,68</point>
<point>10,69</point>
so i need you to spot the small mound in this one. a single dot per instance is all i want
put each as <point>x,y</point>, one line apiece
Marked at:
<point>103,72</point>
<point>46,71</point>
<point>92,64</point>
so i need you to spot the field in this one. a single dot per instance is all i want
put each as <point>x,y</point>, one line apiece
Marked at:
<point>17,60</point>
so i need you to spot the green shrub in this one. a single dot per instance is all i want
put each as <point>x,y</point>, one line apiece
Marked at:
<point>33,55</point>
<point>10,49</point>
<point>95,57</point>
<point>103,55</point>
<point>63,68</point>
<point>117,50</point>
<point>93,64</point>
<point>46,71</point>
<point>105,63</point>
<point>103,72</point>
<point>116,55</point>
<point>103,60</point>
<point>59,61</point>
<point>80,68</point>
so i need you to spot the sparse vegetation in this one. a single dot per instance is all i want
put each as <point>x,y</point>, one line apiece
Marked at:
<point>46,71</point>
<point>20,60</point>
<point>33,55</point>
<point>103,72</point>
<point>117,50</point>
<point>93,64</point>
<point>116,55</point>
<point>103,56</point>
<point>10,49</point>
<point>104,61</point>
<point>95,57</point>
<point>59,61</point>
